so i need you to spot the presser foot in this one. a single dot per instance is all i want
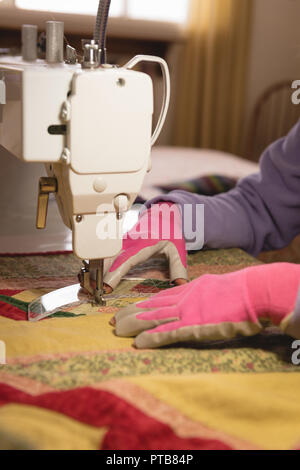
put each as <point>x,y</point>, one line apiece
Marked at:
<point>57,301</point>
<point>85,280</point>
<point>62,301</point>
<point>99,300</point>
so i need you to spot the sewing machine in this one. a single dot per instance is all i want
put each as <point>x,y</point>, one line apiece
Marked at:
<point>90,123</point>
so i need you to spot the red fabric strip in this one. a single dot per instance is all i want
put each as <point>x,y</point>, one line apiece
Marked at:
<point>12,312</point>
<point>128,427</point>
<point>9,292</point>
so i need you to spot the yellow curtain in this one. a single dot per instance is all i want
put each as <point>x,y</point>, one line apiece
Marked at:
<point>213,75</point>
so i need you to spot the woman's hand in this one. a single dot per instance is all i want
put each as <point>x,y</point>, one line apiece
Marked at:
<point>158,231</point>
<point>216,307</point>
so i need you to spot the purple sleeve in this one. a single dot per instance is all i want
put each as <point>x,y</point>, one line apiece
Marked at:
<point>263,211</point>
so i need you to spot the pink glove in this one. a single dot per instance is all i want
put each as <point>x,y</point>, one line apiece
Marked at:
<point>216,307</point>
<point>158,231</point>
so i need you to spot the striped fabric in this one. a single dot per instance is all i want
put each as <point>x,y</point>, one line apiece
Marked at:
<point>207,185</point>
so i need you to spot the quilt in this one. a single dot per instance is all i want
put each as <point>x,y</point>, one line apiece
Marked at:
<point>69,383</point>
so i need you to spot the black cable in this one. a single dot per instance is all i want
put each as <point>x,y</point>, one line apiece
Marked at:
<point>101,27</point>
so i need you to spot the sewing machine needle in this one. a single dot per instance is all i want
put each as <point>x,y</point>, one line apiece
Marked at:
<point>99,292</point>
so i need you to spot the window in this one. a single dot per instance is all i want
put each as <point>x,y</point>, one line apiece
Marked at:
<point>86,7</point>
<point>175,11</point>
<point>161,10</point>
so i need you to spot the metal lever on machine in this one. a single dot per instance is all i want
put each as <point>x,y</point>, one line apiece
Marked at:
<point>46,187</point>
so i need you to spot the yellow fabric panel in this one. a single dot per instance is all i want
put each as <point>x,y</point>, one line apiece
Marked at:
<point>30,295</point>
<point>42,429</point>
<point>262,409</point>
<point>58,335</point>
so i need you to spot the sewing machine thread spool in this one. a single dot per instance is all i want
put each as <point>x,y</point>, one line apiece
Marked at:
<point>55,42</point>
<point>29,42</point>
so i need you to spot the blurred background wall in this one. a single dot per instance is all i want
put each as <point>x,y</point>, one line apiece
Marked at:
<point>275,46</point>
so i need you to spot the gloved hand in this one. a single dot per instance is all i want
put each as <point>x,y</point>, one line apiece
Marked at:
<point>216,307</point>
<point>158,231</point>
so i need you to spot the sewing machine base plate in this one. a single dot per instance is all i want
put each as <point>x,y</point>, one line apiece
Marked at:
<point>57,300</point>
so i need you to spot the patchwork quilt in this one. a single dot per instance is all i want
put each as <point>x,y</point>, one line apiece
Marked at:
<point>70,383</point>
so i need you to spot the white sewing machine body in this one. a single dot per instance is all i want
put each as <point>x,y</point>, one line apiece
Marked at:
<point>92,129</point>
<point>91,125</point>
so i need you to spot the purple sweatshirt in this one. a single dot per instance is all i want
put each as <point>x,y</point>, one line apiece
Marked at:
<point>263,211</point>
